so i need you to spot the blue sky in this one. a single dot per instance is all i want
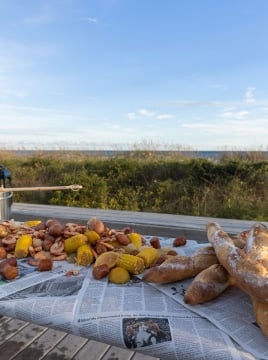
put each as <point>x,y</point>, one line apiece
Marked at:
<point>92,74</point>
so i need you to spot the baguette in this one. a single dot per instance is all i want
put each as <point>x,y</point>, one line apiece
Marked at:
<point>240,239</point>
<point>181,267</point>
<point>207,285</point>
<point>247,266</point>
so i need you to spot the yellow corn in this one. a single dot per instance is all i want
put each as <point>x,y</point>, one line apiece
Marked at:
<point>135,239</point>
<point>32,223</point>
<point>72,243</point>
<point>149,255</point>
<point>119,275</point>
<point>84,255</point>
<point>22,246</point>
<point>132,263</point>
<point>114,243</point>
<point>92,236</point>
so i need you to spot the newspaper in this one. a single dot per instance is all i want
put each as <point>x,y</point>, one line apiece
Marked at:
<point>148,318</point>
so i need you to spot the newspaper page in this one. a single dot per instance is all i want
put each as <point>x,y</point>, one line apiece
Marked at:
<point>151,319</point>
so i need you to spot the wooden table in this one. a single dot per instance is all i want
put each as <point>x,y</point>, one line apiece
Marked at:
<point>167,225</point>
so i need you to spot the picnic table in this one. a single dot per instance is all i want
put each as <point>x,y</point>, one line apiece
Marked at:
<point>78,293</point>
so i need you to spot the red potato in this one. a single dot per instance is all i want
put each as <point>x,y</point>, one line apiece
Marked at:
<point>8,271</point>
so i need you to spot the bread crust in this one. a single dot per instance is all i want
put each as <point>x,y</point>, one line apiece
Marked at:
<point>180,267</point>
<point>207,285</point>
<point>248,265</point>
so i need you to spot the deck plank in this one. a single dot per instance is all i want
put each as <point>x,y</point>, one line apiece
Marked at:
<point>41,346</point>
<point>115,353</point>
<point>9,327</point>
<point>67,348</point>
<point>140,356</point>
<point>21,340</point>
<point>92,350</point>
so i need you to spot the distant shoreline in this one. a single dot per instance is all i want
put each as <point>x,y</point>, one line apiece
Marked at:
<point>206,154</point>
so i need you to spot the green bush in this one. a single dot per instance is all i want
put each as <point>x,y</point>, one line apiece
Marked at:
<point>229,188</point>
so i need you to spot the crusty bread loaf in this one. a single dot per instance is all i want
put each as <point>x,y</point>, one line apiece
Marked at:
<point>247,266</point>
<point>207,285</point>
<point>257,244</point>
<point>203,258</point>
<point>240,239</point>
<point>181,267</point>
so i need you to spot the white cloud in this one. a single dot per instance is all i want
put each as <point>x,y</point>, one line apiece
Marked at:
<point>194,103</point>
<point>217,86</point>
<point>248,99</point>
<point>249,95</point>
<point>12,92</point>
<point>165,116</point>
<point>37,20</point>
<point>91,19</point>
<point>44,13</point>
<point>146,113</point>
<point>234,114</point>
<point>132,116</point>
<point>199,125</point>
<point>230,129</point>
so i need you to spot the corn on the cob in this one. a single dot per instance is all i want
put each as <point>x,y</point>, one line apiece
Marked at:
<point>149,255</point>
<point>119,275</point>
<point>32,223</point>
<point>132,263</point>
<point>92,236</point>
<point>84,255</point>
<point>22,246</point>
<point>135,239</point>
<point>114,243</point>
<point>72,243</point>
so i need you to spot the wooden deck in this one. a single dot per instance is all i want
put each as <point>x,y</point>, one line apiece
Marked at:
<point>20,340</point>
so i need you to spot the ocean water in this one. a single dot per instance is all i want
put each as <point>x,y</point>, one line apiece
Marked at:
<point>209,154</point>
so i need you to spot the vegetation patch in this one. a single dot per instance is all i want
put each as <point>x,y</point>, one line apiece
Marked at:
<point>231,187</point>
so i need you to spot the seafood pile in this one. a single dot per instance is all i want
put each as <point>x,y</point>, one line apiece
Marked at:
<point>92,244</point>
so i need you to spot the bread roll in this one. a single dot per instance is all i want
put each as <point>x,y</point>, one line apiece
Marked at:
<point>207,285</point>
<point>181,267</point>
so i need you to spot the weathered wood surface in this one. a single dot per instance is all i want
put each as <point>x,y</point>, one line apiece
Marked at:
<point>20,340</point>
<point>167,225</point>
